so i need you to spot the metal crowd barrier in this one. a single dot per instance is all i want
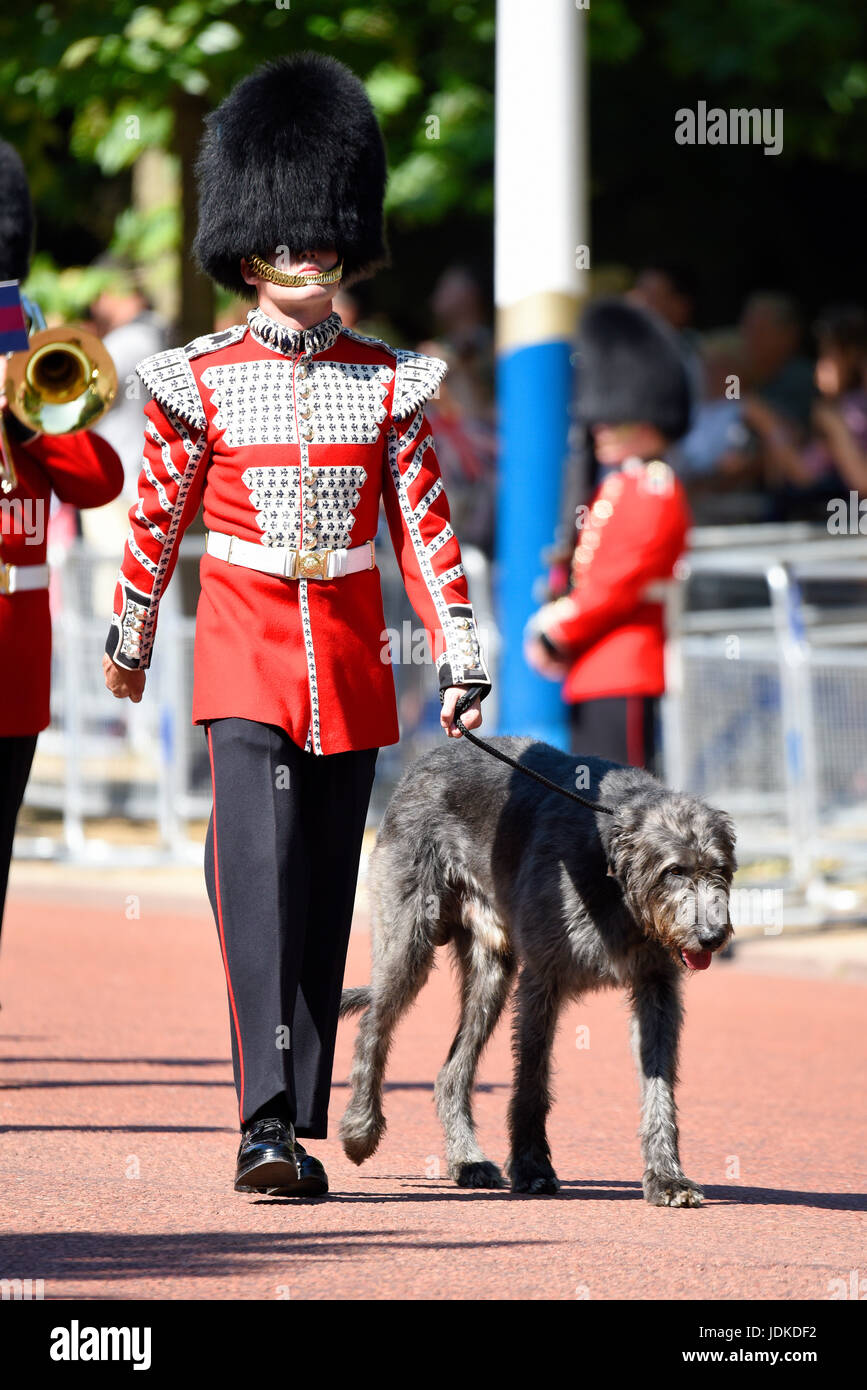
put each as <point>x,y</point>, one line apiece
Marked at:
<point>766,705</point>
<point>766,711</point>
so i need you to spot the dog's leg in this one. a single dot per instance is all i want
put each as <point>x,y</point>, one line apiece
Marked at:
<point>537,1008</point>
<point>655,1033</point>
<point>486,979</point>
<point>400,967</point>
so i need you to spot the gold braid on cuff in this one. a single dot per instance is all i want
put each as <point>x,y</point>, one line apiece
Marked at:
<point>266,271</point>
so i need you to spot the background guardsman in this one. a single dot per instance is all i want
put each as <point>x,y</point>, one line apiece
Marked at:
<point>605,637</point>
<point>81,469</point>
<point>288,430</point>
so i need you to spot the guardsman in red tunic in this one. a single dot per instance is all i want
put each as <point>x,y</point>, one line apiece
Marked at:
<point>288,430</point>
<point>605,638</point>
<point>81,469</point>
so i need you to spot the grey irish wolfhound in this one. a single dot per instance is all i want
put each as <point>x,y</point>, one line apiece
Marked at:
<point>518,879</point>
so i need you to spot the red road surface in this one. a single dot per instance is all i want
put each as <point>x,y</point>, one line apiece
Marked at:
<point>118,1139</point>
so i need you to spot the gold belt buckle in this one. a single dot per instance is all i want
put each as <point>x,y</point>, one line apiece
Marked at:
<point>311,564</point>
<point>4,578</point>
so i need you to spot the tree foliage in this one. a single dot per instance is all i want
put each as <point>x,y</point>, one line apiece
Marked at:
<point>89,86</point>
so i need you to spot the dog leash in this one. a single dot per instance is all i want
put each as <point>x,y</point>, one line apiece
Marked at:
<point>461,707</point>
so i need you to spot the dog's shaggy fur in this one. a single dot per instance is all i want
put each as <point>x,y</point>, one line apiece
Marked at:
<point>473,853</point>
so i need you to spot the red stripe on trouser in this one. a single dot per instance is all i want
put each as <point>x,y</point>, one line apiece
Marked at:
<point>222,935</point>
<point>635,730</point>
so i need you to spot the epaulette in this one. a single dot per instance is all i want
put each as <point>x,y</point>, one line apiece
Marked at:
<point>417,378</point>
<point>657,477</point>
<point>169,377</point>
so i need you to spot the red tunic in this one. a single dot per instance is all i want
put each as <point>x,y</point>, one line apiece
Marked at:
<point>290,439</point>
<point>81,469</point>
<point>612,632</point>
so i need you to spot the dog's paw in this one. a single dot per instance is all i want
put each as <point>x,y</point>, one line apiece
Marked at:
<point>482,1174</point>
<point>360,1135</point>
<point>532,1175</point>
<point>662,1190</point>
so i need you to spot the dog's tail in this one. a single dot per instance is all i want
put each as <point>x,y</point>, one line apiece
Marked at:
<point>352,1001</point>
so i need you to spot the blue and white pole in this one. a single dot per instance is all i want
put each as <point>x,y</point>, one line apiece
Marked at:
<point>541,236</point>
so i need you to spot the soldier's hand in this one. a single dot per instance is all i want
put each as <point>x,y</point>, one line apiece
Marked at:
<point>472,716</point>
<point>123,684</point>
<point>537,656</point>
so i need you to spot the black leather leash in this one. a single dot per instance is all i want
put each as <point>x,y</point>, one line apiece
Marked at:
<point>461,707</point>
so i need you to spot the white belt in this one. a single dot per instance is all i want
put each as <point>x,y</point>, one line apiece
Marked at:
<point>14,579</point>
<point>291,564</point>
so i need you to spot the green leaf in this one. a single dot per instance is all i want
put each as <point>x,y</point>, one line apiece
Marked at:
<point>78,53</point>
<point>218,38</point>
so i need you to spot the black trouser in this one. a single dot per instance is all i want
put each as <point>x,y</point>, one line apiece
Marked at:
<point>281,864</point>
<point>16,760</point>
<point>621,728</point>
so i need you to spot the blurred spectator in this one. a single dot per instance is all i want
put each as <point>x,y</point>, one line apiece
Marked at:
<point>352,315</point>
<point>719,438</point>
<point>125,320</point>
<point>346,305</point>
<point>835,455</point>
<point>463,327</point>
<point>130,329</point>
<point>717,460</point>
<point>462,415</point>
<point>466,451</point>
<point>778,373</point>
<point>669,290</point>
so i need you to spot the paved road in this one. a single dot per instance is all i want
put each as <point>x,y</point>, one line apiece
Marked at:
<point>117,1138</point>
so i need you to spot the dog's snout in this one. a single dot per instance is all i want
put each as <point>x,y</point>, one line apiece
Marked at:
<point>713,937</point>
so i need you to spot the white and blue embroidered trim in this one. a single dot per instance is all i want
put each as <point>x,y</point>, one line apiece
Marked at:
<point>281,338</point>
<point>169,377</point>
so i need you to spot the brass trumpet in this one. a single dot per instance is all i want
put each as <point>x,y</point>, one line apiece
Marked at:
<point>63,382</point>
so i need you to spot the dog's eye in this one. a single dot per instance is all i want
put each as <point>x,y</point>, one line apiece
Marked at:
<point>674,871</point>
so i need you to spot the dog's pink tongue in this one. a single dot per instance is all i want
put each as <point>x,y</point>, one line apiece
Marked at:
<point>698,960</point>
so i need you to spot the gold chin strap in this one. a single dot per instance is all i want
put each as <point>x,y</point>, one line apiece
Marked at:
<point>266,271</point>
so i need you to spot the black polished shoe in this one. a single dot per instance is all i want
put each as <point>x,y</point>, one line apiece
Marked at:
<point>266,1158</point>
<point>312,1177</point>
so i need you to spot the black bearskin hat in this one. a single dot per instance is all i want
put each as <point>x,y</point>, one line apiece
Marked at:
<point>16,216</point>
<point>293,157</point>
<point>631,370</point>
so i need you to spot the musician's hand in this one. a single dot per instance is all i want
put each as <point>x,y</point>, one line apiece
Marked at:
<point>123,684</point>
<point>472,716</point>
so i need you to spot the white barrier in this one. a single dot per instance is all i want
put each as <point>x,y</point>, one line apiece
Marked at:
<point>766,710</point>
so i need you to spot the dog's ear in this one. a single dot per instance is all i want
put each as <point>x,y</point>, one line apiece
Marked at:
<point>725,827</point>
